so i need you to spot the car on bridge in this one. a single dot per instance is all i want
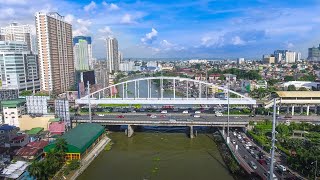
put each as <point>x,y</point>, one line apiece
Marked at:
<point>164,112</point>
<point>197,112</point>
<point>253,165</point>
<point>153,116</point>
<point>120,116</point>
<point>185,112</point>
<point>196,115</point>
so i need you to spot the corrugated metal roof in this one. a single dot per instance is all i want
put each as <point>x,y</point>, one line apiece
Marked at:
<point>80,138</point>
<point>35,131</point>
<point>299,94</point>
<point>13,103</point>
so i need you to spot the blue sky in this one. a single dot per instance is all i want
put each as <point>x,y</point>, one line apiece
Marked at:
<point>181,28</point>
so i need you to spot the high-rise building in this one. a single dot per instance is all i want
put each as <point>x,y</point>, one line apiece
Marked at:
<point>17,32</point>
<point>240,61</point>
<point>314,54</point>
<point>290,57</point>
<point>280,55</point>
<point>269,59</point>
<point>298,56</point>
<point>18,67</point>
<point>112,55</point>
<point>54,37</point>
<point>82,53</point>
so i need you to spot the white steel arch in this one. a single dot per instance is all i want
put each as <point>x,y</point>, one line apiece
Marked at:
<point>149,100</point>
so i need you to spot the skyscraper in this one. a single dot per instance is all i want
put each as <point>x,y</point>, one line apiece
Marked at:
<point>82,53</point>
<point>18,67</point>
<point>290,57</point>
<point>112,55</point>
<point>314,53</point>
<point>17,32</point>
<point>54,37</point>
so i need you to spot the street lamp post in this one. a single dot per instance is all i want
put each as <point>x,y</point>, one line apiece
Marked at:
<point>228,136</point>
<point>273,139</point>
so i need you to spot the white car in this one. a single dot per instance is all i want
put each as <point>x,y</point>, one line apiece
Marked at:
<point>197,112</point>
<point>233,141</point>
<point>101,115</point>
<point>234,133</point>
<point>164,112</point>
<point>219,114</point>
<point>185,112</point>
<point>153,116</point>
<point>282,168</point>
<point>196,115</point>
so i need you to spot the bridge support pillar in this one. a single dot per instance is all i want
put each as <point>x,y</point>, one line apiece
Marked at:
<point>308,108</point>
<point>191,132</point>
<point>278,110</point>
<point>301,109</point>
<point>129,132</point>
<point>292,111</point>
<point>288,110</point>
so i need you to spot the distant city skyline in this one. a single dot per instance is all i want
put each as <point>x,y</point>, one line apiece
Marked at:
<point>182,29</point>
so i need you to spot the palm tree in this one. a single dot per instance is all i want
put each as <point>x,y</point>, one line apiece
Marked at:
<point>36,169</point>
<point>61,145</point>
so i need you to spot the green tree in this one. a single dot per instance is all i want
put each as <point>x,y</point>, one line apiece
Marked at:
<point>288,78</point>
<point>26,93</point>
<point>36,169</point>
<point>283,130</point>
<point>294,66</point>
<point>302,89</point>
<point>222,77</point>
<point>291,88</point>
<point>61,146</point>
<point>272,82</point>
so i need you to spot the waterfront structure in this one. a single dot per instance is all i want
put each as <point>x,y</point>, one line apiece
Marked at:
<point>37,104</point>
<point>112,55</point>
<point>18,67</point>
<point>12,109</point>
<point>82,53</point>
<point>80,139</point>
<point>55,52</point>
<point>314,53</point>
<point>19,33</point>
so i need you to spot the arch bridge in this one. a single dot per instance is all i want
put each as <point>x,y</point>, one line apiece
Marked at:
<point>177,90</point>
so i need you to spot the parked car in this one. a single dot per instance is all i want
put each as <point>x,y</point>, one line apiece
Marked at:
<point>262,162</point>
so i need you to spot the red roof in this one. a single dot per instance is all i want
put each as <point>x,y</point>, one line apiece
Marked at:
<point>18,138</point>
<point>57,128</point>
<point>32,148</point>
<point>215,75</point>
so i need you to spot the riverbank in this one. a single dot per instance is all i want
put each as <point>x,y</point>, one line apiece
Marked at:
<point>92,155</point>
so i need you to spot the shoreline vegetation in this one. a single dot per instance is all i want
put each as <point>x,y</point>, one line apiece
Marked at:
<point>232,165</point>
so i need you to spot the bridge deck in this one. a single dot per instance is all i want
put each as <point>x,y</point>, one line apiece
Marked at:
<point>171,101</point>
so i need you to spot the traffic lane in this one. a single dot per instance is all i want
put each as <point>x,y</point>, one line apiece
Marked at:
<point>245,153</point>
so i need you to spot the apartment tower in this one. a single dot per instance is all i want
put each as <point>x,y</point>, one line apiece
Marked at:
<point>54,37</point>
<point>112,55</point>
<point>17,32</point>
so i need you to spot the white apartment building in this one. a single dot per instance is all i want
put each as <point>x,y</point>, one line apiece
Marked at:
<point>17,32</point>
<point>290,57</point>
<point>112,55</point>
<point>18,67</point>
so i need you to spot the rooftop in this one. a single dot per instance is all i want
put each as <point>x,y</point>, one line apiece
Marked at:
<point>6,127</point>
<point>13,103</point>
<point>54,120</point>
<point>32,148</point>
<point>35,131</point>
<point>80,138</point>
<point>304,94</point>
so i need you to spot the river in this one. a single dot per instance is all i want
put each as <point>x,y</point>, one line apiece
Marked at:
<point>158,156</point>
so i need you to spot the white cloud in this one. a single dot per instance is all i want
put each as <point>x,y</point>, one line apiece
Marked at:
<point>82,27</point>
<point>216,39</point>
<point>69,18</point>
<point>236,40</point>
<point>127,19</point>
<point>90,6</point>
<point>7,12</point>
<point>289,45</point>
<point>150,37</point>
<point>104,3</point>
<point>106,30</point>
<point>113,7</point>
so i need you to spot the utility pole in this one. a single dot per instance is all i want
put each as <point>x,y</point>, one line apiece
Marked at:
<point>315,171</point>
<point>273,138</point>
<point>90,117</point>
<point>228,136</point>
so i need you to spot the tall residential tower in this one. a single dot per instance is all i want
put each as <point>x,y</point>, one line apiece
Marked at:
<point>82,53</point>
<point>112,55</point>
<point>54,37</point>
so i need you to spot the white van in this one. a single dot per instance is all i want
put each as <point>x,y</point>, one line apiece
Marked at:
<point>164,112</point>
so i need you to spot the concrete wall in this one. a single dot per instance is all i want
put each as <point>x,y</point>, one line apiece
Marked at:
<point>27,122</point>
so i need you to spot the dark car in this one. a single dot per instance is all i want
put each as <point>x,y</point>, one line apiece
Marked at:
<point>149,114</point>
<point>120,116</point>
<point>287,116</point>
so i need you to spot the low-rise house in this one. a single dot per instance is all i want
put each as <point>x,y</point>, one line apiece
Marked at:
<point>19,141</point>
<point>57,128</point>
<point>32,150</point>
<point>7,133</point>
<point>15,170</point>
